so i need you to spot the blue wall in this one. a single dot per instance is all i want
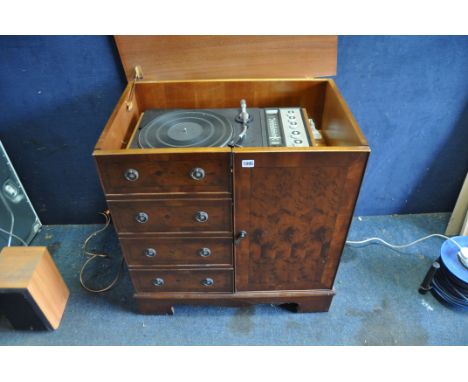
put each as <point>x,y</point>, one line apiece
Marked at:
<point>410,97</point>
<point>409,94</point>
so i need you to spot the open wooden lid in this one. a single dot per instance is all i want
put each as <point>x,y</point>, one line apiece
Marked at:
<point>228,57</point>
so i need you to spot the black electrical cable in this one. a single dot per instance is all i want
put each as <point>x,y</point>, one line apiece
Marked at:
<point>93,256</point>
<point>449,289</point>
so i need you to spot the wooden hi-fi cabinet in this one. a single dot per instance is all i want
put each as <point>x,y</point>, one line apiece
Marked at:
<point>295,204</point>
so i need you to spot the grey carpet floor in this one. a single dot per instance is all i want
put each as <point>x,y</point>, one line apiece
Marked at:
<point>377,302</point>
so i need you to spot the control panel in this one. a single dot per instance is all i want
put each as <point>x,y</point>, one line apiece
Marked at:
<point>286,127</point>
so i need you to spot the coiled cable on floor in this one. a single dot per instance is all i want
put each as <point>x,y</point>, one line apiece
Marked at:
<point>449,288</point>
<point>93,256</point>
<point>447,278</point>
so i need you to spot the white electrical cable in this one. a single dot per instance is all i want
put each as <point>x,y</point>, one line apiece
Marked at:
<point>12,216</point>
<point>397,246</point>
<point>11,234</point>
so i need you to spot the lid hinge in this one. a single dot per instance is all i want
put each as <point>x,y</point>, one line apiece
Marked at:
<point>138,75</point>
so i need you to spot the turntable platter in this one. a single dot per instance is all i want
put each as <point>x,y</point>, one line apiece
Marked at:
<point>180,128</point>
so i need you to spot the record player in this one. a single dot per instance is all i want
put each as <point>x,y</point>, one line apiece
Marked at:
<point>231,170</point>
<point>269,127</point>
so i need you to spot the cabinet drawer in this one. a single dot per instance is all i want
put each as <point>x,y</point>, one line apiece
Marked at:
<point>193,280</point>
<point>181,215</point>
<point>177,251</point>
<point>165,173</point>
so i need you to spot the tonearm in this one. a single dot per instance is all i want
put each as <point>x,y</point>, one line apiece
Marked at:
<point>243,118</point>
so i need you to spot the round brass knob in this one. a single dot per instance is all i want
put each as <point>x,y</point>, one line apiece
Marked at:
<point>197,173</point>
<point>208,282</point>
<point>204,252</point>
<point>158,282</point>
<point>201,216</point>
<point>150,252</point>
<point>131,175</point>
<point>141,217</point>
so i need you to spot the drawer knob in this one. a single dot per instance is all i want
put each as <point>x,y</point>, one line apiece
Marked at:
<point>201,216</point>
<point>150,252</point>
<point>158,282</point>
<point>204,252</point>
<point>197,173</point>
<point>141,217</point>
<point>208,282</point>
<point>131,175</point>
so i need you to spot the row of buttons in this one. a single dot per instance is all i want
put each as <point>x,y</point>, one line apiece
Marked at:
<point>292,125</point>
<point>292,121</point>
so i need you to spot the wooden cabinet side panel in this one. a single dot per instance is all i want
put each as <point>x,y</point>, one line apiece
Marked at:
<point>349,198</point>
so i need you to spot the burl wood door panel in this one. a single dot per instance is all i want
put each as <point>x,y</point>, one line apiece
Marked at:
<point>178,215</point>
<point>296,208</point>
<point>165,173</point>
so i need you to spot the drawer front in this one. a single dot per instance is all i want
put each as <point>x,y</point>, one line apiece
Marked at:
<point>177,251</point>
<point>165,173</point>
<point>185,215</point>
<point>194,280</point>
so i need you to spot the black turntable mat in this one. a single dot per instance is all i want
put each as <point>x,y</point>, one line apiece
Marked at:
<point>195,128</point>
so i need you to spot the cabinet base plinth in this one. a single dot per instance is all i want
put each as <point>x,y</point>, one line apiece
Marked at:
<point>296,301</point>
<point>146,306</point>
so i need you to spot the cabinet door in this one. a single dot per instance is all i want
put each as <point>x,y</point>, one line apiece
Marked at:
<point>296,208</point>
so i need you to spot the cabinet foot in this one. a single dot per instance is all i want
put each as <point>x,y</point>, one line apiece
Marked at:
<point>308,306</point>
<point>158,308</point>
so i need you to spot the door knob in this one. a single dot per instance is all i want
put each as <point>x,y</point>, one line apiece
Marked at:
<point>241,235</point>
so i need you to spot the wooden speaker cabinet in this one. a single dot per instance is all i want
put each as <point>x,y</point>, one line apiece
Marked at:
<point>295,205</point>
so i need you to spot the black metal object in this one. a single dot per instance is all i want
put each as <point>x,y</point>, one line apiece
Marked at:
<point>426,284</point>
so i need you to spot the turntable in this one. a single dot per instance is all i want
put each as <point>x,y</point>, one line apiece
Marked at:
<point>221,202</point>
<point>244,127</point>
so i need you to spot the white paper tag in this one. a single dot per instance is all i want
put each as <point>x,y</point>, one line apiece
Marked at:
<point>248,163</point>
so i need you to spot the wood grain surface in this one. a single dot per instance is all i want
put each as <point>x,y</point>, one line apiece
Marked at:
<point>303,301</point>
<point>296,204</point>
<point>165,173</point>
<point>211,57</point>
<point>289,204</point>
<point>178,252</point>
<point>172,215</point>
<point>31,270</point>
<point>183,280</point>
